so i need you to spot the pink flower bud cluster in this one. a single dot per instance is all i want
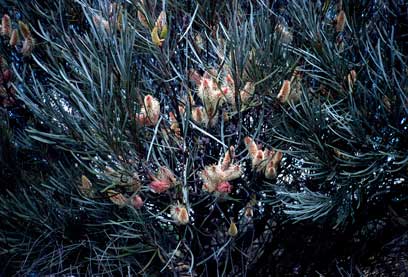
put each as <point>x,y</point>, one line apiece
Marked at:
<point>214,93</point>
<point>150,113</point>
<point>245,93</point>
<point>163,181</point>
<point>265,161</point>
<point>216,177</point>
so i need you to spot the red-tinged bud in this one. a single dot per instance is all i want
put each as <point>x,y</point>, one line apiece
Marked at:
<point>101,22</point>
<point>109,170</point>
<point>352,78</point>
<point>117,198</point>
<point>225,116</point>
<point>209,187</point>
<point>199,42</point>
<point>284,91</point>
<point>141,119</point>
<point>28,46</point>
<point>137,201</point>
<point>229,79</point>
<point>161,24</point>
<point>270,171</point>
<point>166,175</point>
<point>14,38</point>
<point>172,117</point>
<point>180,214</point>
<point>182,110</point>
<point>224,187</point>
<point>199,115</point>
<point>151,110</point>
<point>183,217</point>
<point>206,83</point>
<point>225,90</point>
<point>5,25</point>
<point>259,157</point>
<point>249,212</point>
<point>159,186</point>
<point>7,75</point>
<point>142,19</point>
<point>340,21</point>
<point>148,101</point>
<point>86,186</point>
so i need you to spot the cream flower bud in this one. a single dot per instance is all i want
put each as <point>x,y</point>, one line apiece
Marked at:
<point>272,166</point>
<point>251,146</point>
<point>150,113</point>
<point>174,126</point>
<point>284,92</point>
<point>199,115</point>
<point>209,187</point>
<point>352,78</point>
<point>228,158</point>
<point>257,159</point>
<point>14,38</point>
<point>340,21</point>
<point>231,173</point>
<point>166,175</point>
<point>232,230</point>
<point>99,21</point>
<point>180,214</point>
<point>277,158</point>
<point>156,38</point>
<point>270,171</point>
<point>161,24</point>
<point>28,46</point>
<point>5,25</point>
<point>247,92</point>
<point>86,186</point>
<point>117,198</point>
